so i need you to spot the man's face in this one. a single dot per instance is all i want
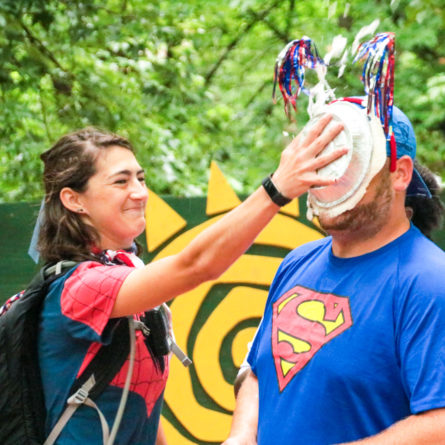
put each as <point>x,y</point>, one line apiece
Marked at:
<point>370,214</point>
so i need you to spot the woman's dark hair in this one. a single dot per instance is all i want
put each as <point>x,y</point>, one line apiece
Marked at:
<point>71,162</point>
<point>427,212</point>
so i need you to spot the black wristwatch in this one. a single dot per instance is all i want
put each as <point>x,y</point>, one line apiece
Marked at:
<point>274,194</point>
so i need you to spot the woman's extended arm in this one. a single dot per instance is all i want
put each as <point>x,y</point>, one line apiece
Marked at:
<point>217,247</point>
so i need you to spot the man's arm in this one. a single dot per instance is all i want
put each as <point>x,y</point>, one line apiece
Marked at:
<point>241,376</point>
<point>245,416</point>
<point>427,428</point>
<point>160,438</point>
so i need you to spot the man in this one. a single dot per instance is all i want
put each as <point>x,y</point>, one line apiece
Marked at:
<point>351,346</point>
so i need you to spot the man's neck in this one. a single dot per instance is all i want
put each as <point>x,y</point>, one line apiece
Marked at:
<point>350,244</point>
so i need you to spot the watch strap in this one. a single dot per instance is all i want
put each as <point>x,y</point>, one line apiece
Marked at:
<point>273,192</point>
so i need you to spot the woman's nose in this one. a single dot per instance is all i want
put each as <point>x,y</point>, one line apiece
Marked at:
<point>139,190</point>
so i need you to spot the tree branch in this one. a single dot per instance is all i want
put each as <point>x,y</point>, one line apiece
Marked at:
<point>41,47</point>
<point>45,119</point>
<point>258,91</point>
<point>289,16</point>
<point>281,35</point>
<point>256,18</point>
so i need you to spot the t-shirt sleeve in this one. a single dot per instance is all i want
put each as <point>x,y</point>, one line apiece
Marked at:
<point>245,364</point>
<point>421,343</point>
<point>88,298</point>
<point>252,353</point>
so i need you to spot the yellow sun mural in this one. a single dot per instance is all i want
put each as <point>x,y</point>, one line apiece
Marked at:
<point>214,322</point>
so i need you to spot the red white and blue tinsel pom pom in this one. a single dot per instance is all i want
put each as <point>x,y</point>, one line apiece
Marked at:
<point>377,76</point>
<point>378,80</point>
<point>290,68</point>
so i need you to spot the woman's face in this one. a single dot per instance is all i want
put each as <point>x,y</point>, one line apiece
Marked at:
<point>115,198</point>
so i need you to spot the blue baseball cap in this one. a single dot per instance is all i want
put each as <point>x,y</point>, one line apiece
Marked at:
<point>406,145</point>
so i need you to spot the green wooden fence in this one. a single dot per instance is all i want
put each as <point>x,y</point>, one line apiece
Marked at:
<point>17,222</point>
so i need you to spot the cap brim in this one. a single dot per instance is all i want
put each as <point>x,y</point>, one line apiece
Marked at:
<point>417,186</point>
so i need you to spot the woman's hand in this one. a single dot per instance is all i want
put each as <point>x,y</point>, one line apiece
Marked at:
<point>300,160</point>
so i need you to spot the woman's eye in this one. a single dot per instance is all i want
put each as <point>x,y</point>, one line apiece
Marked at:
<point>141,179</point>
<point>120,181</point>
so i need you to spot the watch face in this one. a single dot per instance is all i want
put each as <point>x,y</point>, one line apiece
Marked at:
<point>363,136</point>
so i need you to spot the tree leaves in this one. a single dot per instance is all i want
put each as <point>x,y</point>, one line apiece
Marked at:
<point>191,81</point>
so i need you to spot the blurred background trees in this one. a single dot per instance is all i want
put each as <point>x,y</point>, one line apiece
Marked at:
<point>190,81</point>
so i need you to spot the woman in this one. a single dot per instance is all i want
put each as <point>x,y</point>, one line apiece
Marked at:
<point>94,209</point>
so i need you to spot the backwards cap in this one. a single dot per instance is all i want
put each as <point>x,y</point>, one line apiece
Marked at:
<point>368,147</point>
<point>405,140</point>
<point>405,144</point>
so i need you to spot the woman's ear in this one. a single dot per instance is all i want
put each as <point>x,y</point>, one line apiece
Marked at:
<point>403,173</point>
<point>71,200</point>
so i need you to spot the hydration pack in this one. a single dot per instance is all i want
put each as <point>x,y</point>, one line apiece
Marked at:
<point>22,405</point>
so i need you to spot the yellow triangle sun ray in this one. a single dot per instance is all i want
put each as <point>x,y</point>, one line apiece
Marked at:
<point>292,209</point>
<point>162,222</point>
<point>220,196</point>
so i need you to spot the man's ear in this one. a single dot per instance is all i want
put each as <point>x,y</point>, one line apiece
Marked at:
<point>403,173</point>
<point>71,200</point>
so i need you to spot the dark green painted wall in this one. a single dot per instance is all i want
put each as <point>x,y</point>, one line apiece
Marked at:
<point>17,223</point>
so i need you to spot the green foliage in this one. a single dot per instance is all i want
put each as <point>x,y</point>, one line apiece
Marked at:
<point>191,81</point>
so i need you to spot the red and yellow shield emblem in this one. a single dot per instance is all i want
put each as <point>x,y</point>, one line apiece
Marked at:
<point>303,321</point>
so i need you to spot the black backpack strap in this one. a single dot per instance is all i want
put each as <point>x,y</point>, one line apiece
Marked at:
<point>51,272</point>
<point>110,358</point>
<point>97,376</point>
<point>108,361</point>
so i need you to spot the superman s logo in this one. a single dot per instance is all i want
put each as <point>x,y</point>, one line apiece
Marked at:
<point>303,321</point>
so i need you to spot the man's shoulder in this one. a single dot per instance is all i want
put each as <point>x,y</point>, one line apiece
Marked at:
<point>422,250</point>
<point>422,259</point>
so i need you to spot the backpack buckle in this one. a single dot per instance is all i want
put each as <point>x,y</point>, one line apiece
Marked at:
<point>141,326</point>
<point>79,397</point>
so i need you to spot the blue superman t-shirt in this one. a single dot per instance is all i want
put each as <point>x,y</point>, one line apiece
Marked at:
<point>349,346</point>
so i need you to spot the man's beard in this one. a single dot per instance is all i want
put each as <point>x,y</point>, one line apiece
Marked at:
<point>364,219</point>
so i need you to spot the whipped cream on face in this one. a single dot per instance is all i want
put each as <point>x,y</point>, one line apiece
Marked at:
<point>364,137</point>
